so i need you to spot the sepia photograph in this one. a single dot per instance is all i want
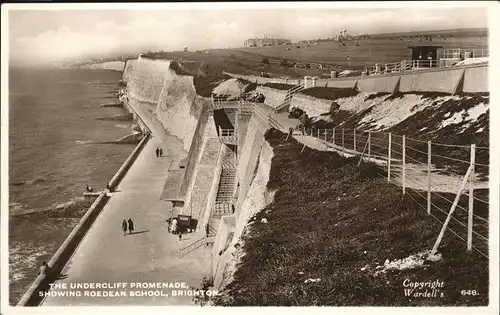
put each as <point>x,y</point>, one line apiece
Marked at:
<point>279,154</point>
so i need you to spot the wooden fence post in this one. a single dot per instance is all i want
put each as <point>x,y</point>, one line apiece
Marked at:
<point>404,164</point>
<point>354,144</point>
<point>453,207</point>
<point>333,136</point>
<point>342,139</point>
<point>369,144</point>
<point>326,136</point>
<point>389,159</point>
<point>471,196</point>
<point>318,133</point>
<point>429,154</point>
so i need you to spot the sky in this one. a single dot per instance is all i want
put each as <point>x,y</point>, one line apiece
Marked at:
<point>45,35</point>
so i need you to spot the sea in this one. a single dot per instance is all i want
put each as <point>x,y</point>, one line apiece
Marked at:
<point>54,151</point>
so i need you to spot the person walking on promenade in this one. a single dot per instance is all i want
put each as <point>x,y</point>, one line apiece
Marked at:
<point>161,152</point>
<point>130,226</point>
<point>124,227</point>
<point>157,152</point>
<point>180,236</point>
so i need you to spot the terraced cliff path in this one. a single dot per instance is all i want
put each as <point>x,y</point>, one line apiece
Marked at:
<point>149,255</point>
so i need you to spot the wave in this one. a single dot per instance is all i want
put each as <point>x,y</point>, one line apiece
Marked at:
<point>29,182</point>
<point>83,141</point>
<point>76,203</point>
<point>101,82</point>
<point>122,126</point>
<point>16,207</point>
<point>23,257</point>
<point>72,202</point>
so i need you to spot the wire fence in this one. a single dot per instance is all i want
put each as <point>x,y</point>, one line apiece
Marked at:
<point>450,182</point>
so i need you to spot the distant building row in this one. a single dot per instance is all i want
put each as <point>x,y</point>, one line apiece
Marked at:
<point>259,42</point>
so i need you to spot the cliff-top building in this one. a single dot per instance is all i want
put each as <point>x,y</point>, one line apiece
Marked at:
<point>259,42</point>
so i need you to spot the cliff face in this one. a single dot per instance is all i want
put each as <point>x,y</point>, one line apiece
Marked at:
<point>128,69</point>
<point>178,107</point>
<point>146,79</point>
<point>110,65</point>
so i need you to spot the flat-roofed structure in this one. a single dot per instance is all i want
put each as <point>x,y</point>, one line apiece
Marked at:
<point>427,56</point>
<point>259,42</point>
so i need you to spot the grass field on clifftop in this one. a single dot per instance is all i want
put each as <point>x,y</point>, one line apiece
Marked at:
<point>248,60</point>
<point>336,222</point>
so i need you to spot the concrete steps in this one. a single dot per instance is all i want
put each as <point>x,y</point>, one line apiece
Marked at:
<point>228,159</point>
<point>226,185</point>
<point>225,191</point>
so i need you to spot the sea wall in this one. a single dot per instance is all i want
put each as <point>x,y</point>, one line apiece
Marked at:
<point>136,118</point>
<point>57,263</point>
<point>31,297</point>
<point>447,80</point>
<point>311,105</point>
<point>274,97</point>
<point>116,179</point>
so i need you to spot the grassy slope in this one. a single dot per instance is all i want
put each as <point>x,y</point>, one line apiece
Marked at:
<point>329,225</point>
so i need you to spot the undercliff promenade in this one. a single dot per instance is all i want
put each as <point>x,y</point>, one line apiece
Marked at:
<point>151,254</point>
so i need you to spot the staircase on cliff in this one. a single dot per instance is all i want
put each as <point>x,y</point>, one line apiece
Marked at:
<point>224,199</point>
<point>288,98</point>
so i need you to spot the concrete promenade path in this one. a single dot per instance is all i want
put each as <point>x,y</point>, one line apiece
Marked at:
<point>151,254</point>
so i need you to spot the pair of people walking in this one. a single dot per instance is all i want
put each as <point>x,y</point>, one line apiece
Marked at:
<point>159,152</point>
<point>128,224</point>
